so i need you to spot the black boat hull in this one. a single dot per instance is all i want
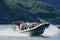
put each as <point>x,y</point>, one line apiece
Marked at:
<point>36,31</point>
<point>39,30</point>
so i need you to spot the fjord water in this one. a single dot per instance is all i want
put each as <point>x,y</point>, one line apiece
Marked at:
<point>51,33</point>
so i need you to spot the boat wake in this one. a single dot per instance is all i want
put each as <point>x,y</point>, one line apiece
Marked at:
<point>51,31</point>
<point>10,32</point>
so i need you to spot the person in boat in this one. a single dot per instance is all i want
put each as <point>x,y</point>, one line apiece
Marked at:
<point>28,25</point>
<point>20,26</point>
<point>17,26</point>
<point>31,25</point>
<point>24,25</point>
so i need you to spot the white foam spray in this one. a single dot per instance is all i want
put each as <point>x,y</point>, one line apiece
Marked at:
<point>10,32</point>
<point>51,31</point>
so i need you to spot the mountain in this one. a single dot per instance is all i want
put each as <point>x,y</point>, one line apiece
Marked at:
<point>54,3</point>
<point>27,10</point>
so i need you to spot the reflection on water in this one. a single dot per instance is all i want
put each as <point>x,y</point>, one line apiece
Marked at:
<point>29,38</point>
